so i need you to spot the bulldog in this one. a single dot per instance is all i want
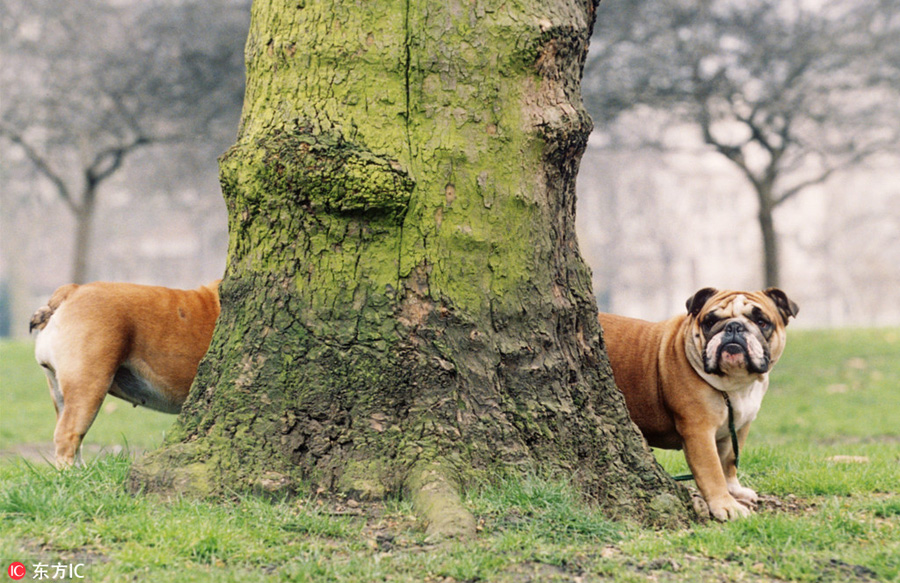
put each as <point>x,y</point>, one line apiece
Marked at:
<point>139,343</point>
<point>681,376</point>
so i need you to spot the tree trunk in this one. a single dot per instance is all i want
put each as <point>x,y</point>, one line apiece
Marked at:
<point>405,308</point>
<point>84,221</point>
<point>771,265</point>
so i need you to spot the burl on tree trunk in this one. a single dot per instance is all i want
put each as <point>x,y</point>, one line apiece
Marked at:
<point>405,308</point>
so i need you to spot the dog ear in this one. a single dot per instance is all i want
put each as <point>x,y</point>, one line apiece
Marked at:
<point>695,302</point>
<point>785,305</point>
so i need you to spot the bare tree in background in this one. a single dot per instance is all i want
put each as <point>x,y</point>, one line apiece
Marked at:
<point>87,84</point>
<point>788,95</point>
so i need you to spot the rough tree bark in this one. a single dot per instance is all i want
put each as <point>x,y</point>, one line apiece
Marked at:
<point>405,308</point>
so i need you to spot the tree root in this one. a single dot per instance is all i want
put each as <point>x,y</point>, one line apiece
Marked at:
<point>437,500</point>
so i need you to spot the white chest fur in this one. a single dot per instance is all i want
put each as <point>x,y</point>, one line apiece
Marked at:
<point>745,404</point>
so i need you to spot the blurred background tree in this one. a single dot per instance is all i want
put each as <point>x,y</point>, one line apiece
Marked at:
<point>788,93</point>
<point>87,84</point>
<point>112,115</point>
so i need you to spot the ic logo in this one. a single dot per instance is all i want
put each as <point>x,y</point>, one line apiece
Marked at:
<point>16,571</point>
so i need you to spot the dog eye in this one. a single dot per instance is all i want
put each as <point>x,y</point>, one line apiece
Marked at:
<point>763,323</point>
<point>708,323</point>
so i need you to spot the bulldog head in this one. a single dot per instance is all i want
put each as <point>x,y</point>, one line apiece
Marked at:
<point>737,334</point>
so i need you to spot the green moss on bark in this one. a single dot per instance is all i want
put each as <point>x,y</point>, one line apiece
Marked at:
<point>319,174</point>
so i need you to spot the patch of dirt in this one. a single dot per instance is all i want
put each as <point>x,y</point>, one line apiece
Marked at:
<point>767,503</point>
<point>383,531</point>
<point>686,568</point>
<point>535,572</point>
<point>388,532</point>
<point>43,451</point>
<point>840,572</point>
<point>790,504</point>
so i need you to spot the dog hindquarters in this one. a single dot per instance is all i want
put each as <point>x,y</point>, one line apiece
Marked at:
<point>80,362</point>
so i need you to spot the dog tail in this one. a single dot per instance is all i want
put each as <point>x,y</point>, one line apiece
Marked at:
<point>40,318</point>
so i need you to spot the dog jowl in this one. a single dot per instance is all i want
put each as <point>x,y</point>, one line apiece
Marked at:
<point>139,343</point>
<point>675,375</point>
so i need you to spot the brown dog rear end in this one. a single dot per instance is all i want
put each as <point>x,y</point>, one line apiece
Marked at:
<point>139,343</point>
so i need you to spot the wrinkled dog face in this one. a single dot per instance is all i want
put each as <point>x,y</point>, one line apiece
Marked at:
<point>736,337</point>
<point>739,333</point>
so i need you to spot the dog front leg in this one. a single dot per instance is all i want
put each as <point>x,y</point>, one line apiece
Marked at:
<point>703,459</point>
<point>743,495</point>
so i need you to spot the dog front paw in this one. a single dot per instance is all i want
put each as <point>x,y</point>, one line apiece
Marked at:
<point>742,494</point>
<point>727,508</point>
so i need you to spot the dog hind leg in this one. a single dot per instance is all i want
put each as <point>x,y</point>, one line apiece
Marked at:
<point>55,393</point>
<point>76,415</point>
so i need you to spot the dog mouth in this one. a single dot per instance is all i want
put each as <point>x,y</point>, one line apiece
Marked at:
<point>734,354</point>
<point>725,358</point>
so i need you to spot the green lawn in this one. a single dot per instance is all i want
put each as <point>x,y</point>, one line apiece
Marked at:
<point>824,453</point>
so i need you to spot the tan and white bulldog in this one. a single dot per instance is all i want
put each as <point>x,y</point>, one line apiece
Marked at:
<point>675,375</point>
<point>139,343</point>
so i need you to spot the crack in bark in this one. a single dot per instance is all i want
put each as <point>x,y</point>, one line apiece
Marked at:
<point>407,40</point>
<point>408,56</point>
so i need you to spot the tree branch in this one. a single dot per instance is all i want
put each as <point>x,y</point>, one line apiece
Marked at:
<point>96,172</point>
<point>732,153</point>
<point>858,156</point>
<point>798,188</point>
<point>40,164</point>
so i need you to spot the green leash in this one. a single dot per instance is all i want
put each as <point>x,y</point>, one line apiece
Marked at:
<point>734,442</point>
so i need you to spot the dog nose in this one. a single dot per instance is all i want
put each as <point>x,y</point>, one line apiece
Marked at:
<point>734,328</point>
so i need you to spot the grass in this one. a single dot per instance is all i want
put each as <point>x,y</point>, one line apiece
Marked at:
<point>825,452</point>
